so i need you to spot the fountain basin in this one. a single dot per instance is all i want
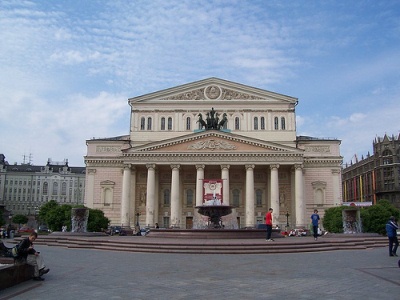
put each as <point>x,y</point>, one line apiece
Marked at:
<point>214,214</point>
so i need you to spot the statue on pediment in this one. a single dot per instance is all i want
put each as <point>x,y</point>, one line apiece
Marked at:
<point>212,120</point>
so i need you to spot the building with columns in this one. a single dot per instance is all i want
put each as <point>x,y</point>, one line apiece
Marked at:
<point>212,129</point>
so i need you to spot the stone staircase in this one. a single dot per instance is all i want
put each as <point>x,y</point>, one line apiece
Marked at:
<point>196,245</point>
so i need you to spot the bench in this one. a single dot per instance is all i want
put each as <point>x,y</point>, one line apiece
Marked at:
<point>11,272</point>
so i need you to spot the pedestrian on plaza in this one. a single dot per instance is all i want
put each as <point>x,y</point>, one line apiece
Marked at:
<point>27,254</point>
<point>268,223</point>
<point>315,223</point>
<point>157,226</point>
<point>391,230</point>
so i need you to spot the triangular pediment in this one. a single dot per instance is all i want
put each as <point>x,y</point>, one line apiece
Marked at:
<point>213,89</point>
<point>213,141</point>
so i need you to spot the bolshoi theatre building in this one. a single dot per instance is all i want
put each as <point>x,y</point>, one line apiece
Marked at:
<point>214,137</point>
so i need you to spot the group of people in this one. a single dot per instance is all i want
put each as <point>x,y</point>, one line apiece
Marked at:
<point>391,230</point>
<point>268,222</point>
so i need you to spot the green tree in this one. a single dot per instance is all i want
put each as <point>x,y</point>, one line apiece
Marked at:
<point>376,216</point>
<point>20,219</point>
<point>46,209</point>
<point>333,219</point>
<point>97,221</point>
<point>56,216</point>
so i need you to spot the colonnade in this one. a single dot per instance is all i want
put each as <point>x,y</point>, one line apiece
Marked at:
<point>175,207</point>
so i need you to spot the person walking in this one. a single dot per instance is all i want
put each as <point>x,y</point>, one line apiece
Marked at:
<point>27,254</point>
<point>391,230</point>
<point>315,223</point>
<point>268,223</point>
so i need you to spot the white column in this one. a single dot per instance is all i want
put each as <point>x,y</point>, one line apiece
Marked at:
<point>132,198</point>
<point>89,187</point>
<point>275,192</point>
<point>126,194</point>
<point>249,206</point>
<point>151,186</point>
<point>225,183</point>
<point>175,216</point>
<point>299,195</point>
<point>156,198</point>
<point>337,187</point>
<point>199,184</point>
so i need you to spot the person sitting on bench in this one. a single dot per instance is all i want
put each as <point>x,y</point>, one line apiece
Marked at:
<point>27,254</point>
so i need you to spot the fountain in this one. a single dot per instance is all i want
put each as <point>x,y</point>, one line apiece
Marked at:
<point>351,221</point>
<point>214,210</point>
<point>79,219</point>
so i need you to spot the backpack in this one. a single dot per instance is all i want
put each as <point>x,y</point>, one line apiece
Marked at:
<point>14,251</point>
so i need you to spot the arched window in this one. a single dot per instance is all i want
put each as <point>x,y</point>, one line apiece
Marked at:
<point>166,197</point>
<point>188,123</point>
<point>276,123</point>
<point>169,123</point>
<point>236,198</point>
<point>262,120</point>
<point>55,188</point>
<point>255,123</point>
<point>149,123</point>
<point>237,123</point>
<point>259,197</point>
<point>142,123</point>
<point>189,197</point>
<point>45,188</point>
<point>162,123</point>
<point>283,123</point>
<point>64,188</point>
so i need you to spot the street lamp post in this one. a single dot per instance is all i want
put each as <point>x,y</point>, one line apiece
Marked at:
<point>36,221</point>
<point>9,225</point>
<point>287,219</point>
<point>137,219</point>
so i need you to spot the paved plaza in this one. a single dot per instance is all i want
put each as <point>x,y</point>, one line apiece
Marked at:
<point>96,274</point>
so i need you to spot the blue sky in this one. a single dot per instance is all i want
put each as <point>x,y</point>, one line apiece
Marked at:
<point>67,68</point>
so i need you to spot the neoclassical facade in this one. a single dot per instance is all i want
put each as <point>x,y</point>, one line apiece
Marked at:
<point>212,129</point>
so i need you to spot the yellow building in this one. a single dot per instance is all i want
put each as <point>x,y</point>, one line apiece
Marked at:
<point>248,140</point>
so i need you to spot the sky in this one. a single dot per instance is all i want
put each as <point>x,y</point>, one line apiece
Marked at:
<point>68,68</point>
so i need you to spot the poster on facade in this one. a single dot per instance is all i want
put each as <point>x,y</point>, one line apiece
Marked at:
<point>357,203</point>
<point>212,191</point>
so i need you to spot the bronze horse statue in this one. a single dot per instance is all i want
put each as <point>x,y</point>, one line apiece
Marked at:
<point>222,122</point>
<point>212,121</point>
<point>203,123</point>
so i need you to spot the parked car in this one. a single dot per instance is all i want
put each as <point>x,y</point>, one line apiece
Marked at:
<point>43,228</point>
<point>115,230</point>
<point>26,229</point>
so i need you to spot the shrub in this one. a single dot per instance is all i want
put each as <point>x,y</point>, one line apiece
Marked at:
<point>373,218</point>
<point>376,216</point>
<point>333,219</point>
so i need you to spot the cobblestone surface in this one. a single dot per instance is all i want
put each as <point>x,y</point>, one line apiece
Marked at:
<point>93,274</point>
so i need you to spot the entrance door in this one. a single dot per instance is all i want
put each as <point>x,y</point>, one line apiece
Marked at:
<point>189,222</point>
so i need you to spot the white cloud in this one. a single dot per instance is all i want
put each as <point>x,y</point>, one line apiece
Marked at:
<point>69,67</point>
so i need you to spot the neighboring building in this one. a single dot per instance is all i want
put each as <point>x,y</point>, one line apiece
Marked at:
<point>376,176</point>
<point>25,188</point>
<point>219,130</point>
